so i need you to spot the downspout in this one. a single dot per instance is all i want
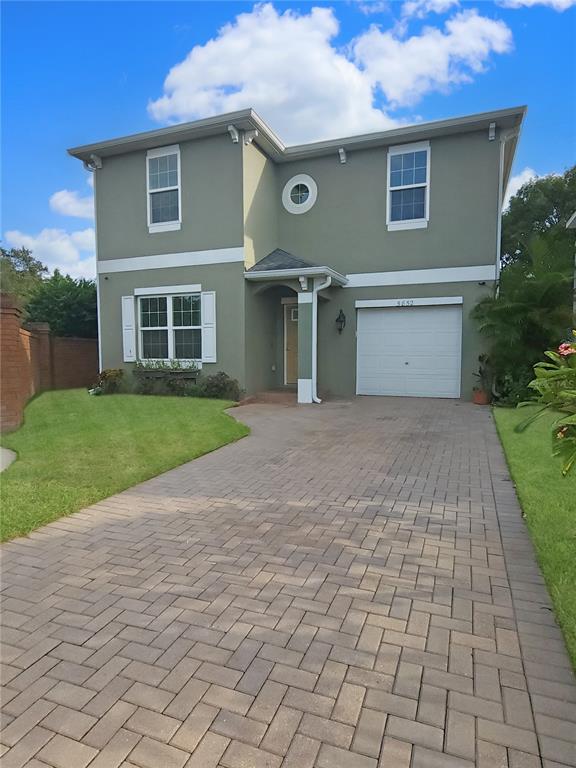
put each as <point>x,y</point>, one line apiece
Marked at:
<point>315,291</point>
<point>503,139</point>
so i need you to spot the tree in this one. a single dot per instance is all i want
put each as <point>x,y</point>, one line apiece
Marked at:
<point>20,272</point>
<point>69,306</point>
<point>531,312</point>
<point>539,206</point>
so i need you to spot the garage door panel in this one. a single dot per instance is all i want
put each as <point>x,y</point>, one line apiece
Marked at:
<point>411,351</point>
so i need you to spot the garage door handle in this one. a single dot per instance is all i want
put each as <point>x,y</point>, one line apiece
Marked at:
<point>406,363</point>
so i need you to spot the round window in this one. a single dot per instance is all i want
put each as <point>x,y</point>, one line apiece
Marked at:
<point>299,193</point>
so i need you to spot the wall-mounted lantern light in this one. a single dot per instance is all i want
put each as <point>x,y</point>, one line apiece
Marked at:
<point>341,321</point>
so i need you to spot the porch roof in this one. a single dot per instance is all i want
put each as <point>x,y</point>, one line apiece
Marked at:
<point>281,264</point>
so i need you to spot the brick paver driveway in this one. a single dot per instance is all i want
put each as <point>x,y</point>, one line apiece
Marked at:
<point>350,587</point>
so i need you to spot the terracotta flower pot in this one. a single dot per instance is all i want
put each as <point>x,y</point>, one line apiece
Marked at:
<point>480,397</point>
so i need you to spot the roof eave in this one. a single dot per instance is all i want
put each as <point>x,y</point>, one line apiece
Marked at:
<point>245,119</point>
<point>275,274</point>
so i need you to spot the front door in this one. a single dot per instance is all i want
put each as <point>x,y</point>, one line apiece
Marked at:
<point>290,343</point>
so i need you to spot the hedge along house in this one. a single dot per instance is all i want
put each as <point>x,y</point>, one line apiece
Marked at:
<point>339,267</point>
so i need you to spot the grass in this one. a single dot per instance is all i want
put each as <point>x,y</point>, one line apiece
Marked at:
<point>549,504</point>
<point>74,450</point>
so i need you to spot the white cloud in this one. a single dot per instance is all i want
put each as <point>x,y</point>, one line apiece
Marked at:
<point>434,60</point>
<point>557,5</point>
<point>283,65</point>
<point>72,253</point>
<point>286,66</point>
<point>368,7</point>
<point>421,8</point>
<point>516,182</point>
<point>71,203</point>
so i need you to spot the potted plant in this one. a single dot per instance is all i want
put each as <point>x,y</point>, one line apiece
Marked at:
<point>482,393</point>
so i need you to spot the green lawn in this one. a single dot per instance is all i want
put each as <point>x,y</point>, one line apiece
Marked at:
<point>74,450</point>
<point>549,503</point>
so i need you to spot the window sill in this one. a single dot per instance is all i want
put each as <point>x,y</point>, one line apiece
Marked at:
<point>394,226</point>
<point>166,226</point>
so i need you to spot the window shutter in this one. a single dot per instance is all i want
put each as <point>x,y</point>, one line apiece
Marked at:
<point>208,326</point>
<point>128,329</point>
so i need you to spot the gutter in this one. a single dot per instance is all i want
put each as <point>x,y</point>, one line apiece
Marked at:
<point>316,290</point>
<point>274,274</point>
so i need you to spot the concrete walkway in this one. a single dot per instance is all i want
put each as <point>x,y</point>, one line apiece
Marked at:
<point>350,587</point>
<point>6,458</point>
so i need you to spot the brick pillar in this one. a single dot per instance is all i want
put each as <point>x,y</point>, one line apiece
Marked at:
<point>11,380</point>
<point>43,362</point>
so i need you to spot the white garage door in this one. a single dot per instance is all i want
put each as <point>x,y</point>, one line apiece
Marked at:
<point>409,351</point>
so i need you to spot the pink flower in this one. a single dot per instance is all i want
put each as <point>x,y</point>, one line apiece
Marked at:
<point>567,349</point>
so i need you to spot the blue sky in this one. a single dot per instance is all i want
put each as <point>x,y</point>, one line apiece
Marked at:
<point>75,72</point>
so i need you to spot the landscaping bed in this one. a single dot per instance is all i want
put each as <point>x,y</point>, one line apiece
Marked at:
<point>74,450</point>
<point>549,503</point>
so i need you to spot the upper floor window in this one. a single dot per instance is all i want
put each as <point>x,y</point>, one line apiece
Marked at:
<point>408,186</point>
<point>163,182</point>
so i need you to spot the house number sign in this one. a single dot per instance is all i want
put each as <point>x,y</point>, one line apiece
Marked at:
<point>405,303</point>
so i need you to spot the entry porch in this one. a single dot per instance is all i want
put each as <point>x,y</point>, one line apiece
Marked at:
<point>284,297</point>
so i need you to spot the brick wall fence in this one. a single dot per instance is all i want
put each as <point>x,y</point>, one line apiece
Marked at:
<point>31,361</point>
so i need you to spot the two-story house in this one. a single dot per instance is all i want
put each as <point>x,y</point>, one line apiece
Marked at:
<point>339,267</point>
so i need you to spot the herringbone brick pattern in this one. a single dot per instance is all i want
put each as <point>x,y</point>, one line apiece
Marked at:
<point>351,586</point>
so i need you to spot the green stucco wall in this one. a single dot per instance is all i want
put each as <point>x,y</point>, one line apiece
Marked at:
<point>212,207</point>
<point>346,228</point>
<point>226,279</point>
<point>260,205</point>
<point>337,352</point>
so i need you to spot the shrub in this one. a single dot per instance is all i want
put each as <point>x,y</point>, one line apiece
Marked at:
<point>555,385</point>
<point>219,386</point>
<point>529,314</point>
<point>109,381</point>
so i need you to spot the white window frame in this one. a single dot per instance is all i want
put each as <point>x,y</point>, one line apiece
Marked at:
<point>402,149</point>
<point>170,328</point>
<point>164,226</point>
<point>299,208</point>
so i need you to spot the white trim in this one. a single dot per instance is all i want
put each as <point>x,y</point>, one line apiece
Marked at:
<point>304,390</point>
<point>482,273</point>
<point>274,274</point>
<point>163,226</point>
<point>398,226</point>
<point>305,298</point>
<point>401,149</point>
<point>427,302</point>
<point>168,289</point>
<point>300,178</point>
<point>166,260</point>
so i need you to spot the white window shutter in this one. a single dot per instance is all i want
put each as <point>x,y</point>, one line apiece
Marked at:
<point>208,326</point>
<point>128,329</point>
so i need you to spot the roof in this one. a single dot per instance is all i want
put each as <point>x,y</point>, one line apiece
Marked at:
<point>279,264</point>
<point>271,144</point>
<point>571,223</point>
<point>279,259</point>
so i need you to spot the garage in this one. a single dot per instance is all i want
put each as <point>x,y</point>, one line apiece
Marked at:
<point>409,347</point>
